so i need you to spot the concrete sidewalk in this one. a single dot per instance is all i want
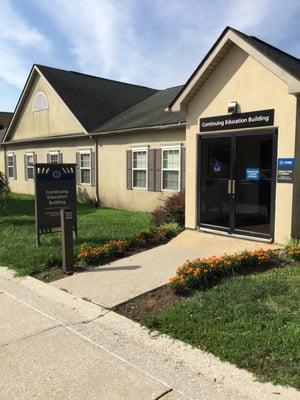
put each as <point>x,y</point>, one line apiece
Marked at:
<point>55,346</point>
<point>129,277</point>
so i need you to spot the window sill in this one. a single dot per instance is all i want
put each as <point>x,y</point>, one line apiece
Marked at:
<point>139,188</point>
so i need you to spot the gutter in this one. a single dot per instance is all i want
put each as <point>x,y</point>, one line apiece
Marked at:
<point>96,170</point>
<point>47,139</point>
<point>141,129</point>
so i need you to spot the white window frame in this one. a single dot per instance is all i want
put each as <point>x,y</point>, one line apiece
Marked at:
<point>89,152</point>
<point>136,150</point>
<point>29,166</point>
<point>10,154</point>
<point>165,148</point>
<point>54,153</point>
<point>37,107</point>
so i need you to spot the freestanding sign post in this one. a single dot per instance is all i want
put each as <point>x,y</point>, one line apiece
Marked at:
<point>55,189</point>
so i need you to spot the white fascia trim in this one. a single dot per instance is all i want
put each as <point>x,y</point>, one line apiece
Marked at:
<point>293,83</point>
<point>20,102</point>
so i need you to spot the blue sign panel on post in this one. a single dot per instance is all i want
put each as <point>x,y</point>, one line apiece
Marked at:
<point>252,174</point>
<point>286,163</point>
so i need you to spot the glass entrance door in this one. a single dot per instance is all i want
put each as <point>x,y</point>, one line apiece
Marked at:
<point>216,167</point>
<point>237,177</point>
<point>253,175</point>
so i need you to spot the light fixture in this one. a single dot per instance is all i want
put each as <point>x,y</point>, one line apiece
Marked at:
<point>232,107</point>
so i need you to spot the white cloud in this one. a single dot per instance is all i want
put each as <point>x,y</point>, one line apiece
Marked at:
<point>18,43</point>
<point>15,29</point>
<point>155,42</point>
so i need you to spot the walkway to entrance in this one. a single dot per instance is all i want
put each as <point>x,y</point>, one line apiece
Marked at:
<point>129,277</point>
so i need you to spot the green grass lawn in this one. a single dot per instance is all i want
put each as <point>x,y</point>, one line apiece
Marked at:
<point>95,226</point>
<point>252,321</point>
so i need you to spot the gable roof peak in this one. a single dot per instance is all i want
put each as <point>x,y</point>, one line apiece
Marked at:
<point>282,64</point>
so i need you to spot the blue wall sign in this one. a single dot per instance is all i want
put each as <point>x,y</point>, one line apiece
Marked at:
<point>286,163</point>
<point>285,170</point>
<point>217,166</point>
<point>252,174</point>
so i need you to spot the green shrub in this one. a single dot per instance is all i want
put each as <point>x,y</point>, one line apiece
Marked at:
<point>173,210</point>
<point>4,191</point>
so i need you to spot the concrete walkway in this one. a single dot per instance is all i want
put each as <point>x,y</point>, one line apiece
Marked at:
<point>121,280</point>
<point>56,346</point>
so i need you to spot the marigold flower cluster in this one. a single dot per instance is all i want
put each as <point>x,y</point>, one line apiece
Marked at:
<point>293,252</point>
<point>116,248</point>
<point>202,272</point>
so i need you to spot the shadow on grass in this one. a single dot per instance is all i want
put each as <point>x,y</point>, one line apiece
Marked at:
<point>17,222</point>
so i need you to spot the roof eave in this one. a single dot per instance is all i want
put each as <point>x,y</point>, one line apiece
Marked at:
<point>218,51</point>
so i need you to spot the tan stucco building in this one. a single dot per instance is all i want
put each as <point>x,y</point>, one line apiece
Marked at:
<point>117,133</point>
<point>229,137</point>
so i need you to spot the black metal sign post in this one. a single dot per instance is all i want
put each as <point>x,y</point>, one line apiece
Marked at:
<point>66,218</point>
<point>55,189</point>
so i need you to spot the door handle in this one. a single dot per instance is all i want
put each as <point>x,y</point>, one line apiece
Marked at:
<point>233,186</point>
<point>229,187</point>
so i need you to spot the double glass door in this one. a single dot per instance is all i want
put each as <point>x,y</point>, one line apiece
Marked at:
<point>237,181</point>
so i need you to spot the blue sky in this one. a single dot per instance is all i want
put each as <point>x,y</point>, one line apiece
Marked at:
<point>156,43</point>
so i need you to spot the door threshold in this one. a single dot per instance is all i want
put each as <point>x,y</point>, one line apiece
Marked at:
<point>235,235</point>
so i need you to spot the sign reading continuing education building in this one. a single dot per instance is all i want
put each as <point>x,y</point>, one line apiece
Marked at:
<point>252,119</point>
<point>55,189</point>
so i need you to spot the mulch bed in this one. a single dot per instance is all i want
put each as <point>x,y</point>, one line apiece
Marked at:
<point>148,303</point>
<point>156,300</point>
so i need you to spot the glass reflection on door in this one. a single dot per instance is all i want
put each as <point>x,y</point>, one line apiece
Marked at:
<point>216,170</point>
<point>253,174</point>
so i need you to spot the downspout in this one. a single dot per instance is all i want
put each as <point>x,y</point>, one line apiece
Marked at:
<point>96,171</point>
<point>5,159</point>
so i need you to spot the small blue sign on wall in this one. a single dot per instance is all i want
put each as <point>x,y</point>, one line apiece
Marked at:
<point>252,174</point>
<point>217,166</point>
<point>286,163</point>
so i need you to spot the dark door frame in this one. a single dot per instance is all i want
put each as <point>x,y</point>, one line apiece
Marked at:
<point>233,134</point>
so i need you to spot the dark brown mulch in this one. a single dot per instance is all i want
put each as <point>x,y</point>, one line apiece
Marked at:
<point>148,303</point>
<point>153,302</point>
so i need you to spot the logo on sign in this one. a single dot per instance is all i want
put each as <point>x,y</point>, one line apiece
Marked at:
<point>217,166</point>
<point>286,163</point>
<point>56,174</point>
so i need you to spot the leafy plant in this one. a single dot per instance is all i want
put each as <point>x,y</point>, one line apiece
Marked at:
<point>117,248</point>
<point>201,272</point>
<point>173,210</point>
<point>4,191</point>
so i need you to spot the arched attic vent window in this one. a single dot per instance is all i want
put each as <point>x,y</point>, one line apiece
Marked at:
<point>40,102</point>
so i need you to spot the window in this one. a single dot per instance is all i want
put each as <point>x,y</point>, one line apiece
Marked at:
<point>29,166</point>
<point>171,168</point>
<point>85,167</point>
<point>40,102</point>
<point>54,157</point>
<point>139,168</point>
<point>10,165</point>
